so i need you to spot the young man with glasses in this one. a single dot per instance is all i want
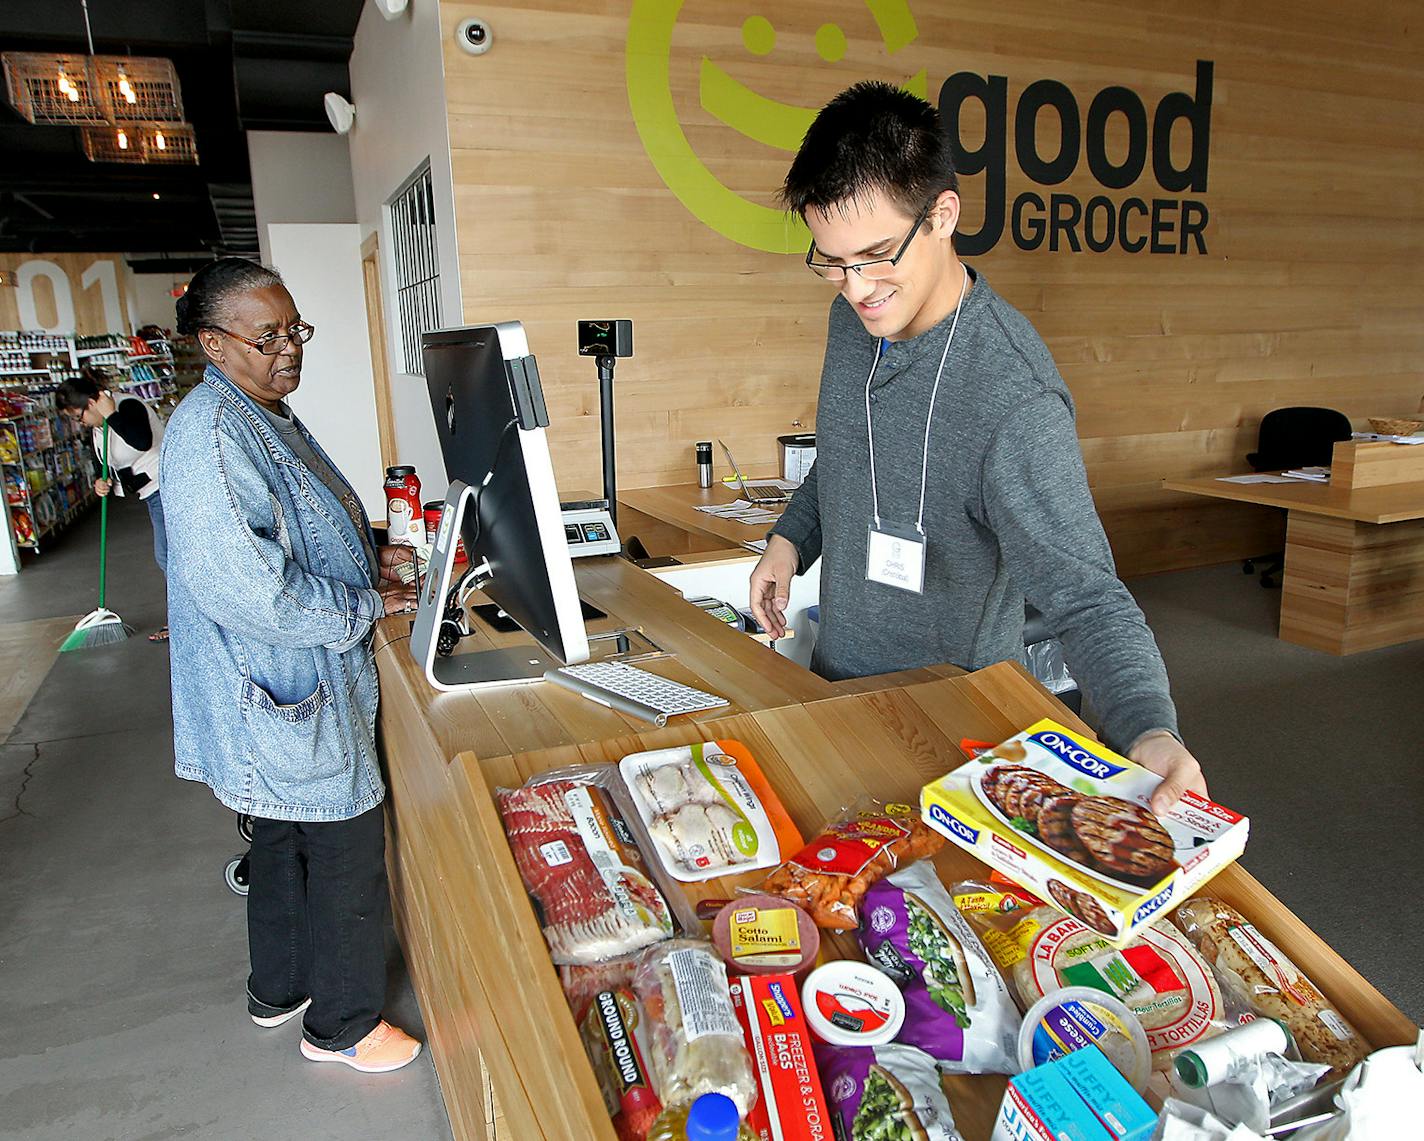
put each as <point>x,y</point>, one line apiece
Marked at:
<point>949,486</point>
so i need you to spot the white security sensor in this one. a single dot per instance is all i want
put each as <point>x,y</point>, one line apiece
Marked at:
<point>392,9</point>
<point>341,113</point>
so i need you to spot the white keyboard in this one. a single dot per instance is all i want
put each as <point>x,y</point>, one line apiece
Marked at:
<point>668,698</point>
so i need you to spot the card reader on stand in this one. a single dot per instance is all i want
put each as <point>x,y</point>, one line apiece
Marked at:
<point>589,528</point>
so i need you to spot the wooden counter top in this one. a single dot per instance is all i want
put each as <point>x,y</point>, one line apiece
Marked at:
<point>677,504</point>
<point>477,956</point>
<point>1388,503</point>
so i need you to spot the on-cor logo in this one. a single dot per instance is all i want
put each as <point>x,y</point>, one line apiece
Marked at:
<point>948,820</point>
<point>1155,904</point>
<point>1071,753</point>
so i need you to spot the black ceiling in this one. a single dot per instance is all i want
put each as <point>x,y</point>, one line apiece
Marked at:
<point>243,65</point>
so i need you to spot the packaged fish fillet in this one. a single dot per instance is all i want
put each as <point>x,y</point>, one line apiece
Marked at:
<point>596,894</point>
<point>709,809</point>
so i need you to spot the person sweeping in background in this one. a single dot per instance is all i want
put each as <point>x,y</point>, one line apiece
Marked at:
<point>130,453</point>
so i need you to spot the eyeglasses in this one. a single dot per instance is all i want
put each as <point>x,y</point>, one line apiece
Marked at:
<point>272,343</point>
<point>875,270</point>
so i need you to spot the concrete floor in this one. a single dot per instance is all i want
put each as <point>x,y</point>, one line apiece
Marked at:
<point>123,955</point>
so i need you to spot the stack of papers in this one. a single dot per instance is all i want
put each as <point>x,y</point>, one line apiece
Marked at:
<point>739,512</point>
<point>1314,474</point>
<point>1375,436</point>
<point>1263,477</point>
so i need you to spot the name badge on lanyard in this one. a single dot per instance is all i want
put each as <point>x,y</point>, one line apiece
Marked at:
<point>895,553</point>
<point>895,556</point>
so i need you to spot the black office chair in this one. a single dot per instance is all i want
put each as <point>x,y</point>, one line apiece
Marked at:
<point>1291,438</point>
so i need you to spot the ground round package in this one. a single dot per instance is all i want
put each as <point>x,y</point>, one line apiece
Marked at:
<point>1159,976</point>
<point>957,1008</point>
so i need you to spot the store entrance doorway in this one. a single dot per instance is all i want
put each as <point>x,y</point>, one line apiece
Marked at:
<point>380,363</point>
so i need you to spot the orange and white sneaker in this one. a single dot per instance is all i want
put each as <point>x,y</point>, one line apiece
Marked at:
<point>386,1048</point>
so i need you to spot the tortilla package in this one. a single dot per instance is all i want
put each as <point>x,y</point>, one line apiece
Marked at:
<point>885,1093</point>
<point>957,1008</point>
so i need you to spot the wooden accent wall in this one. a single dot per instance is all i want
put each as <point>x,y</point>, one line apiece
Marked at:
<point>91,297</point>
<point>1311,290</point>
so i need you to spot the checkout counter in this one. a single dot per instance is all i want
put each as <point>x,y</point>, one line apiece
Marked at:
<point>491,998</point>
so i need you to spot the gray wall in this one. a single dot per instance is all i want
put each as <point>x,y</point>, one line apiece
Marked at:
<point>299,176</point>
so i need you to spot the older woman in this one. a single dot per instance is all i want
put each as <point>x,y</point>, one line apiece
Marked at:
<point>273,579</point>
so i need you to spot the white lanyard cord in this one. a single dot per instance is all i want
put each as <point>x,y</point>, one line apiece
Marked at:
<point>929,419</point>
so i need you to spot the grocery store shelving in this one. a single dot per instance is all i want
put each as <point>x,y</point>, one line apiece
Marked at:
<point>47,464</point>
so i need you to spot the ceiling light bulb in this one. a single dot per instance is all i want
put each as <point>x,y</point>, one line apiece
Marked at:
<point>123,141</point>
<point>63,81</point>
<point>161,143</point>
<point>73,94</point>
<point>155,196</point>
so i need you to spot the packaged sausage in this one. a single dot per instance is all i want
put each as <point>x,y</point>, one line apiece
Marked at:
<point>766,935</point>
<point>709,809</point>
<point>957,1008</point>
<point>595,893</point>
<point>697,1043</point>
<point>830,875</point>
<point>890,1092</point>
<point>1254,969</point>
<point>615,1036</point>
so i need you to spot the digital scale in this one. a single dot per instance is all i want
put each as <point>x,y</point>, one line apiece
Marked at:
<point>589,529</point>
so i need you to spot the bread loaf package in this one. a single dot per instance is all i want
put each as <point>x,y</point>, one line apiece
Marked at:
<point>1258,973</point>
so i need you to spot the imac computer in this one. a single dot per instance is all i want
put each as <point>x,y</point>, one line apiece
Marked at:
<point>490,417</point>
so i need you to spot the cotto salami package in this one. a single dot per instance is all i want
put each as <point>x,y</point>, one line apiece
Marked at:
<point>885,1093</point>
<point>957,1008</point>
<point>792,1106</point>
<point>1069,819</point>
<point>595,893</point>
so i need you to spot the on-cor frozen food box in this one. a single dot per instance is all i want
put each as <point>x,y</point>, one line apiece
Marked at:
<point>1068,818</point>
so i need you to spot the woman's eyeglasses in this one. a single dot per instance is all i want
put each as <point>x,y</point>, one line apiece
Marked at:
<point>272,343</point>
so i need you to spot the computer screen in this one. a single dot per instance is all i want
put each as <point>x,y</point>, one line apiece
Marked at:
<point>489,414</point>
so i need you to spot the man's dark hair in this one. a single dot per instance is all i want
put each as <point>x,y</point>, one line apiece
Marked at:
<point>205,304</point>
<point>77,391</point>
<point>871,137</point>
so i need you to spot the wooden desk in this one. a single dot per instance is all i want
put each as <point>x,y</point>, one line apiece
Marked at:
<point>1354,567</point>
<point>477,957</point>
<point>675,505</point>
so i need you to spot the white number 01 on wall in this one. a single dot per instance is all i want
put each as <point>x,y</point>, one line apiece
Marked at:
<point>61,316</point>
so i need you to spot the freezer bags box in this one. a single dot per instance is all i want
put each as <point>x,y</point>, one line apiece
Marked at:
<point>1067,818</point>
<point>1080,1097</point>
<point>792,1106</point>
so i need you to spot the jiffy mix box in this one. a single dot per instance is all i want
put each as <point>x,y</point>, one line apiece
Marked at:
<point>1067,818</point>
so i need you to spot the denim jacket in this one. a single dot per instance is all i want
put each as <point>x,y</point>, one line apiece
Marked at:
<point>271,608</point>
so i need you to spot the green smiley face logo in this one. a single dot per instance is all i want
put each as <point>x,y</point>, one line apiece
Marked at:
<point>731,102</point>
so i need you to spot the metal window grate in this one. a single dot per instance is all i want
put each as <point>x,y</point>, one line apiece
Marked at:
<point>417,265</point>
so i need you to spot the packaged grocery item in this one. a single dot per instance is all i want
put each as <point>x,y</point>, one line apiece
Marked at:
<point>697,1042</point>
<point>853,1004</point>
<point>765,934</point>
<point>1079,1097</point>
<point>829,876</point>
<point>615,1037</point>
<point>1076,1017</point>
<point>709,809</point>
<point>1228,1053</point>
<point>712,1117</point>
<point>792,1106</point>
<point>957,1008</point>
<point>595,894</point>
<point>885,1093</point>
<point>1254,969</point>
<point>582,983</point>
<point>1069,819</point>
<point>1168,987</point>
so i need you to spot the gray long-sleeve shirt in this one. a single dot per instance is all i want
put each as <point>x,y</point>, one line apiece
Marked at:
<point>1008,515</point>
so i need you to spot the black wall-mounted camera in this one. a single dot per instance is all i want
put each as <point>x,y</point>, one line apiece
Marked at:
<point>605,338</point>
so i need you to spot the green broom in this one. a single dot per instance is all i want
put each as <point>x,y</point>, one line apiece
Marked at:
<point>100,627</point>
